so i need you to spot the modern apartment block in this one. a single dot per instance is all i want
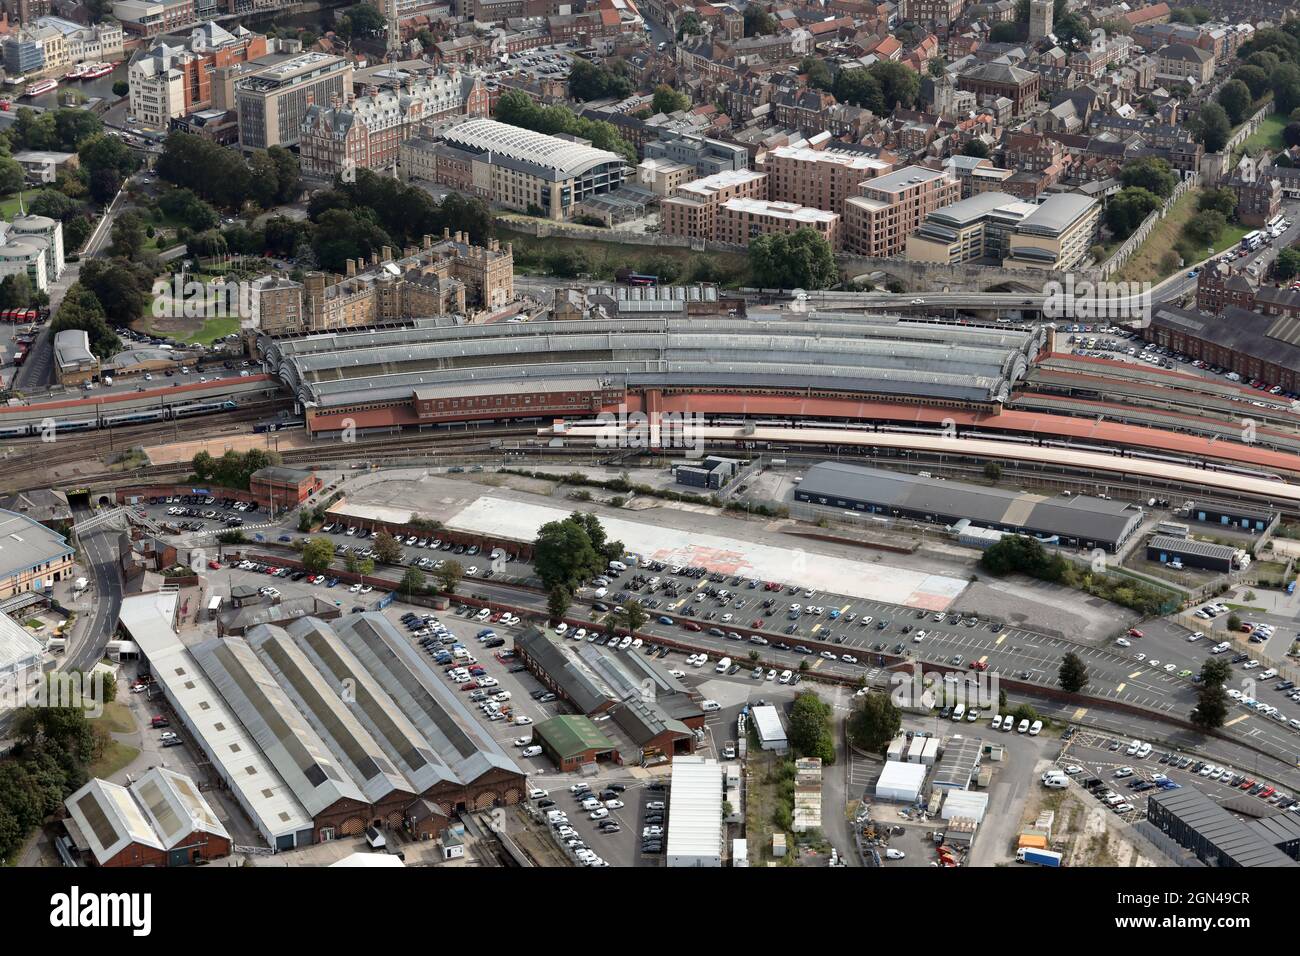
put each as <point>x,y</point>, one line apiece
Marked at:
<point>167,82</point>
<point>273,103</point>
<point>151,18</point>
<point>1057,234</point>
<point>444,276</point>
<point>892,207</point>
<point>806,175</point>
<point>693,210</point>
<point>708,156</point>
<point>977,228</point>
<point>366,132</point>
<point>739,221</point>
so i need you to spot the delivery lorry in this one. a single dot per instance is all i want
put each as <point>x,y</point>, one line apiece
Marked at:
<point>1029,854</point>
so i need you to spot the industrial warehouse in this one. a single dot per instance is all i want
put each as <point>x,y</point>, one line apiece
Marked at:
<point>303,765</point>
<point>1078,521</point>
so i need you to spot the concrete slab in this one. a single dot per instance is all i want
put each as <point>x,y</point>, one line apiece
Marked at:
<point>876,581</point>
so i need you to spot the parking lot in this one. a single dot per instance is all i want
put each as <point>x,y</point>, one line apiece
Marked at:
<point>1092,756</point>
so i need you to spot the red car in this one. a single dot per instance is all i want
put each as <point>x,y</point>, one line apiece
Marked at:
<point>1246,784</point>
<point>214,565</point>
<point>1134,632</point>
<point>692,626</point>
<point>979,665</point>
<point>756,622</point>
<point>159,721</point>
<point>1267,792</point>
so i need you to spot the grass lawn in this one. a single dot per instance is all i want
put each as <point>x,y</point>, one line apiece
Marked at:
<point>1144,265</point>
<point>211,329</point>
<point>1268,136</point>
<point>116,718</point>
<point>114,758</point>
<point>9,206</point>
<point>605,257</point>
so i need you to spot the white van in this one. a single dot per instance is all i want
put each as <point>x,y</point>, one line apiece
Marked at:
<point>1055,781</point>
<point>959,712</point>
<point>722,666</point>
<point>1035,728</point>
<point>1024,725</point>
<point>618,566</point>
<point>996,723</point>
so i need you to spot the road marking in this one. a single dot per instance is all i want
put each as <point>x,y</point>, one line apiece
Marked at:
<point>984,659</point>
<point>1237,720</point>
<point>1079,712</point>
<point>1001,638</point>
<point>1134,674</point>
<point>1119,688</point>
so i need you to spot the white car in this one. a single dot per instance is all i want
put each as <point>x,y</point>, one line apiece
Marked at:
<point>1194,637</point>
<point>355,589</point>
<point>1124,772</point>
<point>614,804</point>
<point>561,628</point>
<point>533,751</point>
<point>1073,769</point>
<point>537,793</point>
<point>523,721</point>
<point>523,741</point>
<point>470,572</point>
<point>1250,665</point>
<point>678,674</point>
<point>892,854</point>
<point>709,706</point>
<point>1123,642</point>
<point>599,813</point>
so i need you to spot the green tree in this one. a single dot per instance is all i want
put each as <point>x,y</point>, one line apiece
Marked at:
<point>565,553</point>
<point>816,71</point>
<point>1211,709</point>
<point>449,575</point>
<point>1150,173</point>
<point>591,81</point>
<point>899,84</point>
<point>558,601</point>
<point>1256,80</point>
<point>387,550</point>
<point>1205,227</point>
<point>1215,127</point>
<point>975,147</point>
<point>758,22</point>
<point>1234,96</point>
<point>992,471</point>
<point>858,87</point>
<point>121,88</point>
<point>668,100</point>
<point>127,236</point>
<point>1287,265</point>
<point>799,260</point>
<point>1222,200</point>
<point>365,18</point>
<point>82,311</point>
<point>1291,134</point>
<point>631,616</point>
<point>15,291</point>
<point>318,555</point>
<point>875,721</point>
<point>810,727</point>
<point>122,288</point>
<point>1073,673</point>
<point>412,582</point>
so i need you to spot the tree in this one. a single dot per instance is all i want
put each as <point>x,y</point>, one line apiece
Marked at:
<point>975,147</point>
<point>1023,554</point>
<point>82,311</point>
<point>558,601</point>
<point>1234,622</point>
<point>54,204</point>
<point>1005,33</point>
<point>1072,31</point>
<point>668,100</point>
<point>591,81</point>
<point>387,550</point>
<point>992,470</point>
<point>758,22</point>
<point>1223,200</point>
<point>858,87</point>
<point>1024,712</point>
<point>1150,173</point>
<point>810,727</point>
<point>449,576</point>
<point>15,291</point>
<point>799,260</point>
<point>816,71</point>
<point>121,88</point>
<point>1234,96</point>
<point>127,236</point>
<point>121,287</point>
<point>412,582</point>
<point>1291,134</point>
<point>899,84</point>
<point>101,151</point>
<point>318,555</point>
<point>1287,265</point>
<point>1205,227</point>
<point>875,721</point>
<point>365,18</point>
<point>564,554</point>
<point>364,567</point>
<point>1127,210</point>
<point>1211,699</point>
<point>1256,80</point>
<point>1073,673</point>
<point>1215,127</point>
<point>631,617</point>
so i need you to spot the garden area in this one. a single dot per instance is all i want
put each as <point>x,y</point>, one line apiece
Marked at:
<point>575,258</point>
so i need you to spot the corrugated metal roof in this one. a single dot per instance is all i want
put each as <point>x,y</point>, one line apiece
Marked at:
<point>1238,843</point>
<point>695,811</point>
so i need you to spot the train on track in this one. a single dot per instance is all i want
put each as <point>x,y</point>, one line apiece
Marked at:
<point>1038,440</point>
<point>81,422</point>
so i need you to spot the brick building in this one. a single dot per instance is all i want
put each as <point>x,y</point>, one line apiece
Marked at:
<point>692,210</point>
<point>892,207</point>
<point>283,488</point>
<point>739,221</point>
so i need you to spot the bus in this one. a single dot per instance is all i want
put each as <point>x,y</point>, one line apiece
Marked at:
<point>1274,222</point>
<point>1252,240</point>
<point>633,278</point>
<point>18,316</point>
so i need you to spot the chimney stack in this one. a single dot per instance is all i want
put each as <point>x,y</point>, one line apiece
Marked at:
<point>352,268</point>
<point>428,241</point>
